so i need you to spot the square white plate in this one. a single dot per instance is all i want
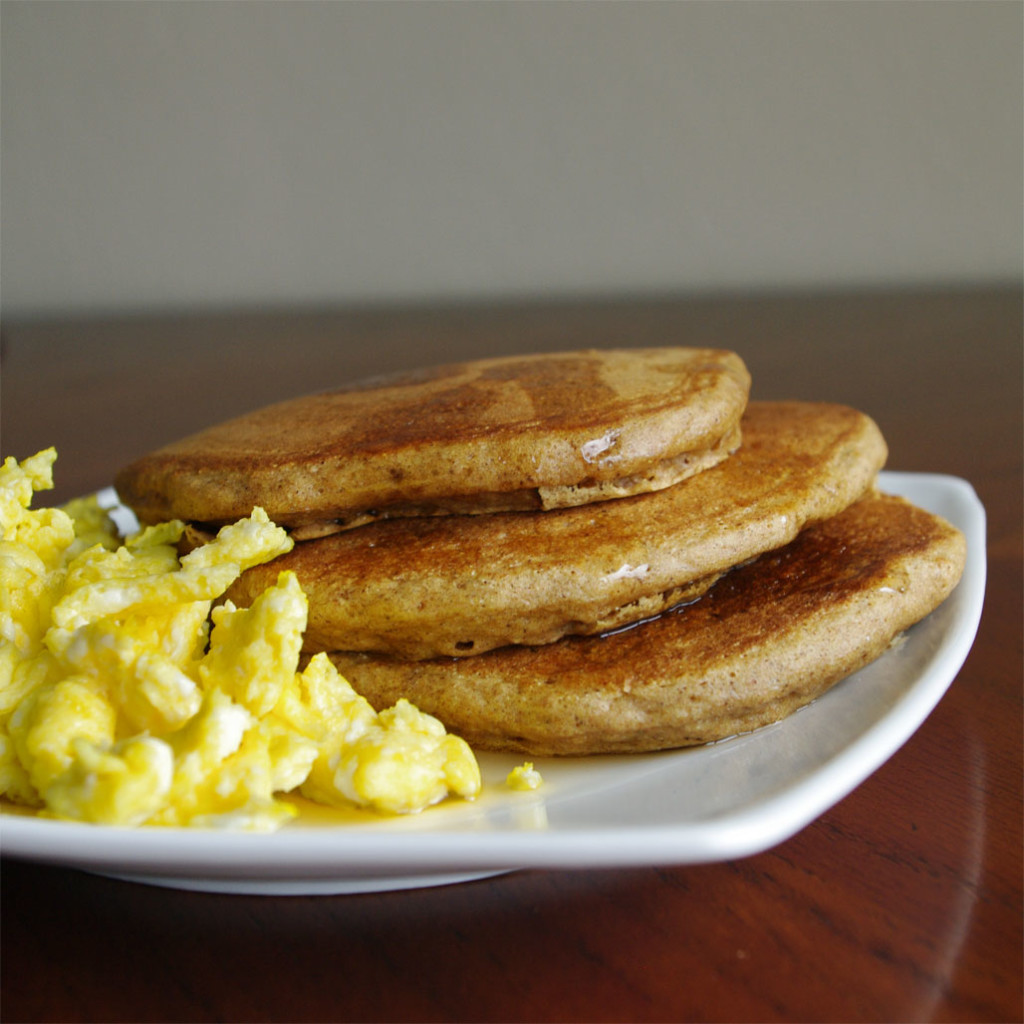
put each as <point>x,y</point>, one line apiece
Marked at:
<point>718,802</point>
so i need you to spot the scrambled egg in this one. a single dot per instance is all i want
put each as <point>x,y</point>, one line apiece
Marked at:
<point>127,698</point>
<point>524,777</point>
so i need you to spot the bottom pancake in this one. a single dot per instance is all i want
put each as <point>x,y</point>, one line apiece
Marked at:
<point>767,639</point>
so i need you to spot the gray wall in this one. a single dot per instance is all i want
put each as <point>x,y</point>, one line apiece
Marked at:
<point>182,155</point>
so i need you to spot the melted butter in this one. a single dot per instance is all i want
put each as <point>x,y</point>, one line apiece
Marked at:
<point>593,450</point>
<point>629,572</point>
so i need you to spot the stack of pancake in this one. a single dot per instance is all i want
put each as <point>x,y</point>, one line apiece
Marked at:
<point>573,553</point>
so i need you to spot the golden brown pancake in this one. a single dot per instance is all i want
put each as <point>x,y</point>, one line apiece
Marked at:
<point>521,432</point>
<point>766,639</point>
<point>462,585</point>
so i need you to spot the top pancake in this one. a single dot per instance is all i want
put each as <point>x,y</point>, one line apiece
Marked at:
<point>521,432</point>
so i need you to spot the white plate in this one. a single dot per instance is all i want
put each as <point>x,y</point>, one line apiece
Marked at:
<point>718,802</point>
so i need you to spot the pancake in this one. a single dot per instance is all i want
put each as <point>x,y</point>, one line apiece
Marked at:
<point>522,432</point>
<point>461,585</point>
<point>765,640</point>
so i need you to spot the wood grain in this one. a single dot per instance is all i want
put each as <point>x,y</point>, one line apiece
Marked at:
<point>901,903</point>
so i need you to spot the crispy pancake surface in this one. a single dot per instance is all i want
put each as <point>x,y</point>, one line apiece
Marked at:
<point>462,585</point>
<point>523,432</point>
<point>767,639</point>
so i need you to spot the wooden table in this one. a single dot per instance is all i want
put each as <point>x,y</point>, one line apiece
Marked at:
<point>901,903</point>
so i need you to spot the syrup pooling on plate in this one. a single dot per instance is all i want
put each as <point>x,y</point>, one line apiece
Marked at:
<point>128,698</point>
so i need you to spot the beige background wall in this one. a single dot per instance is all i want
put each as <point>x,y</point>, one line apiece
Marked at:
<point>182,155</point>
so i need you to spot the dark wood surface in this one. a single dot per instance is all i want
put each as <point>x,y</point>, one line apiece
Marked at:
<point>901,903</point>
